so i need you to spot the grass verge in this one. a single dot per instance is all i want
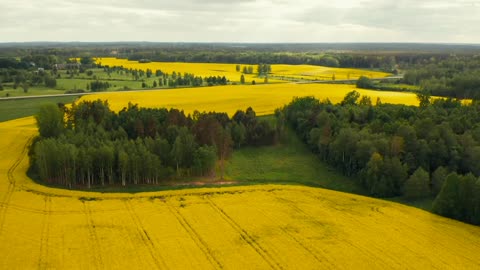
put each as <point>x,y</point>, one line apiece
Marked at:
<point>288,162</point>
<point>17,108</point>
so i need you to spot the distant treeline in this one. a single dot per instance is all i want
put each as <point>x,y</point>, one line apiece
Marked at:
<point>25,79</point>
<point>396,150</point>
<point>334,55</point>
<point>174,79</point>
<point>37,70</point>
<point>457,77</point>
<point>385,57</point>
<point>386,63</point>
<point>90,145</point>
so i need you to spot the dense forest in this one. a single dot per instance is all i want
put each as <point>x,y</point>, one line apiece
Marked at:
<point>397,150</point>
<point>457,77</point>
<point>90,145</point>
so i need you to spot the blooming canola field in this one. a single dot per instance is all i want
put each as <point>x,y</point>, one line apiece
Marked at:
<point>264,99</point>
<point>279,73</point>
<point>253,227</point>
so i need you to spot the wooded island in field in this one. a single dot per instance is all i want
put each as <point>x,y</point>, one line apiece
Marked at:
<point>96,146</point>
<point>392,150</point>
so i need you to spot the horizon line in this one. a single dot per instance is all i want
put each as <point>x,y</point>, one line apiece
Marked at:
<point>238,42</point>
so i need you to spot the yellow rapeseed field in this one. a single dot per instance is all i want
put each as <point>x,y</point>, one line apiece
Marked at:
<point>280,73</point>
<point>309,72</point>
<point>264,99</point>
<point>254,227</point>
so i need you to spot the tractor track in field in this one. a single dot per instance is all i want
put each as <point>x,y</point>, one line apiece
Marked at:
<point>146,240</point>
<point>44,212</point>
<point>302,244</point>
<point>95,246</point>
<point>293,205</point>
<point>4,206</point>
<point>367,253</point>
<point>202,245</point>
<point>250,240</point>
<point>11,184</point>
<point>55,212</point>
<point>43,259</point>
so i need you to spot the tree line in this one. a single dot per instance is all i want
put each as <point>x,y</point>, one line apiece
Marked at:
<point>90,145</point>
<point>398,150</point>
<point>375,61</point>
<point>25,79</point>
<point>165,79</point>
<point>456,76</point>
<point>386,57</point>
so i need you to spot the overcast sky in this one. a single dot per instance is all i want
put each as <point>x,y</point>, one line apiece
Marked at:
<point>241,20</point>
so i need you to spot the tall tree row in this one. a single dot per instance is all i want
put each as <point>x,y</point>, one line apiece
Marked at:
<point>90,145</point>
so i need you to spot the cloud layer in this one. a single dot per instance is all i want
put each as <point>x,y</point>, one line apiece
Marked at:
<point>241,21</point>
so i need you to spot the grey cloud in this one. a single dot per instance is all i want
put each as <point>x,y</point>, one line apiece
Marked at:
<point>439,20</point>
<point>241,20</point>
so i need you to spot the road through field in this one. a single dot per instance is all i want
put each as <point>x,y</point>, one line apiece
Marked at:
<point>255,227</point>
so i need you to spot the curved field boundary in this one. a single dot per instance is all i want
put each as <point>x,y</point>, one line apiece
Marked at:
<point>262,227</point>
<point>11,183</point>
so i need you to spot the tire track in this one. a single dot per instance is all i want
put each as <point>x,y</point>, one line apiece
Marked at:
<point>302,244</point>
<point>4,207</point>
<point>11,184</point>
<point>147,241</point>
<point>95,246</point>
<point>293,205</point>
<point>202,245</point>
<point>43,211</point>
<point>43,259</point>
<point>57,212</point>
<point>365,251</point>
<point>245,236</point>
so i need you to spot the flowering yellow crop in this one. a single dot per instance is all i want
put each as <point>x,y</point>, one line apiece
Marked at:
<point>253,227</point>
<point>309,72</point>
<point>264,99</point>
<point>280,73</point>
